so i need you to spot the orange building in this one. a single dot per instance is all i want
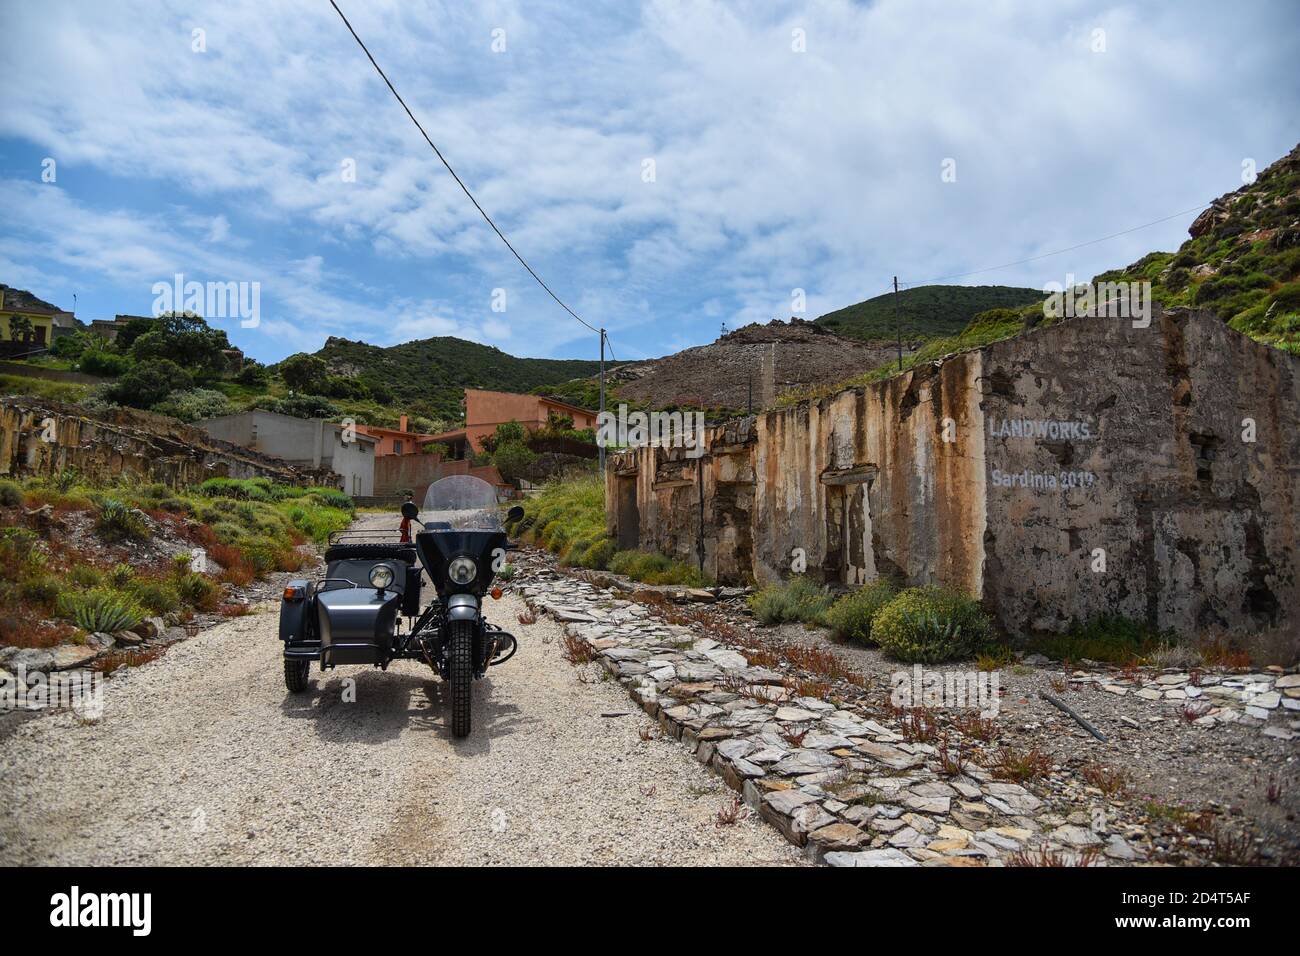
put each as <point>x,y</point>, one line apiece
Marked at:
<point>396,441</point>
<point>485,410</point>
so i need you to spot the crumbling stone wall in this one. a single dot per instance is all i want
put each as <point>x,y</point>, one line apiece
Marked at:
<point>1084,468</point>
<point>43,438</point>
<point>1177,517</point>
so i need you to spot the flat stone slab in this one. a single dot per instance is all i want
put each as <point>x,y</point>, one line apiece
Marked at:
<point>886,857</point>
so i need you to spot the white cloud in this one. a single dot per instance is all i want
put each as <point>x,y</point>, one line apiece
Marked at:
<point>775,169</point>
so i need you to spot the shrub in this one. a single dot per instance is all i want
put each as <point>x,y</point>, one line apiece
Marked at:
<point>195,405</point>
<point>303,372</point>
<point>11,494</point>
<point>597,556</point>
<point>1109,638</point>
<point>333,498</point>
<point>851,615</point>
<point>85,576</point>
<point>119,522</point>
<point>258,489</point>
<point>198,590</point>
<point>930,624</point>
<point>120,576</point>
<point>799,599</point>
<point>100,609</point>
<point>654,568</point>
<point>99,361</point>
<point>513,459</point>
<point>148,383</point>
<point>156,596</point>
<point>41,589</point>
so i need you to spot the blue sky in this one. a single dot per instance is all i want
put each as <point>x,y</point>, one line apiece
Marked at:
<point>775,168</point>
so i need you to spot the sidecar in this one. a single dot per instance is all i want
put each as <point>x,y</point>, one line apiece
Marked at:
<point>351,615</point>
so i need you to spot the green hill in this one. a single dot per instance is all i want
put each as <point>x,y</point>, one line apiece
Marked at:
<point>1242,262</point>
<point>433,372</point>
<point>925,311</point>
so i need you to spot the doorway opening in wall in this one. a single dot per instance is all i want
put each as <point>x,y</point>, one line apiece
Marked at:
<point>850,558</point>
<point>629,516</point>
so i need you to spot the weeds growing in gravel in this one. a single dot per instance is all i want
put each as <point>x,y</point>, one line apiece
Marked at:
<point>952,763</point>
<point>971,724</point>
<point>1111,782</point>
<point>1020,767</point>
<point>1043,857</point>
<point>731,813</point>
<point>919,725</point>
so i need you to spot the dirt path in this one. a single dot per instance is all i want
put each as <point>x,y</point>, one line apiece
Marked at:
<point>202,757</point>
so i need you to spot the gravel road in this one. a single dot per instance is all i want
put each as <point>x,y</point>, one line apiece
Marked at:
<point>203,757</point>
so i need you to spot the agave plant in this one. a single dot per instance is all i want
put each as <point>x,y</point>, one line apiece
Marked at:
<point>100,610</point>
<point>120,522</point>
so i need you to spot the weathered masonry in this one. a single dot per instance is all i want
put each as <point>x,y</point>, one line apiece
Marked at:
<point>1084,468</point>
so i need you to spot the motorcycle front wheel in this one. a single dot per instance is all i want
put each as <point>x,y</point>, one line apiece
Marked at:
<point>460,666</point>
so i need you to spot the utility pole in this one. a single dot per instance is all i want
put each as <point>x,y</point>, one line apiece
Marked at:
<point>601,420</point>
<point>898,325</point>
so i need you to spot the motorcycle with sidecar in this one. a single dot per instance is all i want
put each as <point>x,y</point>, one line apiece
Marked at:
<point>368,607</point>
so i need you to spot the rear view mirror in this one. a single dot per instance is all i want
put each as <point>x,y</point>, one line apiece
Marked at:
<point>409,510</point>
<point>514,514</point>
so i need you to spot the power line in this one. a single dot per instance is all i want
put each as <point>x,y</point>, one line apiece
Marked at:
<point>1046,255</point>
<point>459,183</point>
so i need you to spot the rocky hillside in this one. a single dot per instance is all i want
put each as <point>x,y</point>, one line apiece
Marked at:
<point>1242,260</point>
<point>773,358</point>
<point>924,312</point>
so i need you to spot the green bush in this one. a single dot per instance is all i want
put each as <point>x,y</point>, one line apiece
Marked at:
<point>99,361</point>
<point>85,576</point>
<point>930,624</point>
<point>120,522</point>
<point>333,498</point>
<point>148,383</point>
<point>198,590</point>
<point>120,576</point>
<point>158,597</point>
<point>512,459</point>
<point>1108,637</point>
<point>798,599</point>
<point>195,404</point>
<point>597,556</point>
<point>100,609</point>
<point>11,494</point>
<point>41,588</point>
<point>851,615</point>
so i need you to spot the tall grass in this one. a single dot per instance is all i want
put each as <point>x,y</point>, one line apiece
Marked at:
<point>568,518</point>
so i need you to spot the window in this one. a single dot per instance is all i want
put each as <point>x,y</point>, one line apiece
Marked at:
<point>397,446</point>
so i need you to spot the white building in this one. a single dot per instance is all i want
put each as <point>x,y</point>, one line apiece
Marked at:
<point>304,442</point>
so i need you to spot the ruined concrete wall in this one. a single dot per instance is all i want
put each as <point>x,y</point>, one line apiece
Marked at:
<point>653,501</point>
<point>1197,527</point>
<point>45,438</point>
<point>865,483</point>
<point>1010,472</point>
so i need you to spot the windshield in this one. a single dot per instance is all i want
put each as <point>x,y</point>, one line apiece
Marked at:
<point>466,503</point>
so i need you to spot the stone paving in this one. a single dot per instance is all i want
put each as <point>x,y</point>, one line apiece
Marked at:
<point>1268,700</point>
<point>846,786</point>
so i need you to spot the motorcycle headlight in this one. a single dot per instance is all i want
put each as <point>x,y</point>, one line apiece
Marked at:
<point>381,575</point>
<point>462,570</point>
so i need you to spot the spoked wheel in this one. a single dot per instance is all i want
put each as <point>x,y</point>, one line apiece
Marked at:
<point>460,666</point>
<point>295,674</point>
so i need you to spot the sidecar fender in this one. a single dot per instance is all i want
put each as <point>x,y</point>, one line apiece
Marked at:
<point>293,613</point>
